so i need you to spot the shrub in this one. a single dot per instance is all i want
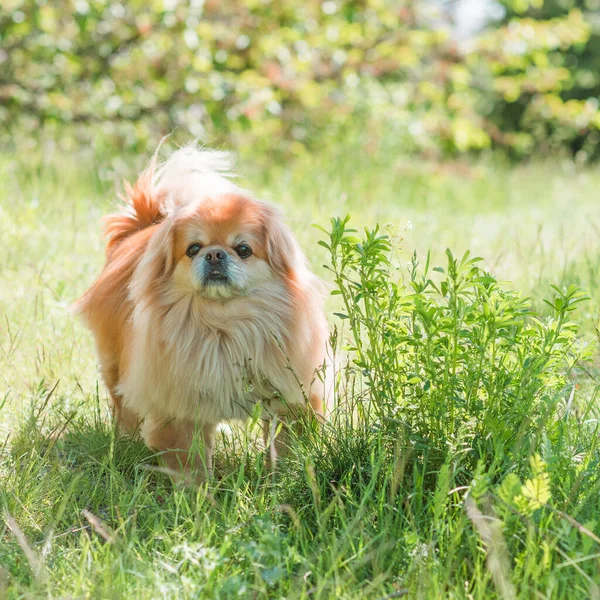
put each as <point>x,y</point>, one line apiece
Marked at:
<point>289,75</point>
<point>451,358</point>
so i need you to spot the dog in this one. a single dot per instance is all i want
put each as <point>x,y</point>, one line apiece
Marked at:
<point>205,307</point>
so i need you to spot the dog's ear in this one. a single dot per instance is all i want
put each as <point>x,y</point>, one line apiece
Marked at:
<point>156,263</point>
<point>283,253</point>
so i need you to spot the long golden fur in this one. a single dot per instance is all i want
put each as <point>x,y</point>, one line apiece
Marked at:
<point>205,307</point>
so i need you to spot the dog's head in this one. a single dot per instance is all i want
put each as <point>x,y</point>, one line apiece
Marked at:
<point>230,246</point>
<point>217,241</point>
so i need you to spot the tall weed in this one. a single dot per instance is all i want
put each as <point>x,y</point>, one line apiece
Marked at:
<point>451,358</point>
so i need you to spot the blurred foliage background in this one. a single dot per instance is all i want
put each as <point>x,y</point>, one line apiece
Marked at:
<point>287,76</point>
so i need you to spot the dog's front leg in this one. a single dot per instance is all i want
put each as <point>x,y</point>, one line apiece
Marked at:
<point>279,429</point>
<point>176,440</point>
<point>276,438</point>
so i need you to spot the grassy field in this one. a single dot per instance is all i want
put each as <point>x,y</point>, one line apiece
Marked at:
<point>493,489</point>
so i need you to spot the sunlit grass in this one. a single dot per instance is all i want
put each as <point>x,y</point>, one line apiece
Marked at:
<point>329,526</point>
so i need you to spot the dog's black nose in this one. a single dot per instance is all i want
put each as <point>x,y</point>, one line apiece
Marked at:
<point>214,257</point>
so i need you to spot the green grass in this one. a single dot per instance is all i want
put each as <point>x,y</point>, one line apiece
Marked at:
<point>367,510</point>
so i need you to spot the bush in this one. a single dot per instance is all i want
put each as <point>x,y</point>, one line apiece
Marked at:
<point>265,71</point>
<point>541,86</point>
<point>289,76</point>
<point>451,359</point>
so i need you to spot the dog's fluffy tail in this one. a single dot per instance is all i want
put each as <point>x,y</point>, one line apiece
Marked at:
<point>142,208</point>
<point>149,201</point>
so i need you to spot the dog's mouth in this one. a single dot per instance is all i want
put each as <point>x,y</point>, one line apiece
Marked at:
<point>216,277</point>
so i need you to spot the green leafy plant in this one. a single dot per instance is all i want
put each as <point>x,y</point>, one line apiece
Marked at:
<point>450,354</point>
<point>103,71</point>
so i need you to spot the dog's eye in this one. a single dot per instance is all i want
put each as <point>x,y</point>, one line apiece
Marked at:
<point>243,250</point>
<point>193,249</point>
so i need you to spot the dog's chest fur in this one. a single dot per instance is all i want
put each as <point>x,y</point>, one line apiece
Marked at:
<point>209,365</point>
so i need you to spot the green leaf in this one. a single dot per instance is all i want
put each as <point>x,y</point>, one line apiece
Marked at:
<point>510,487</point>
<point>537,491</point>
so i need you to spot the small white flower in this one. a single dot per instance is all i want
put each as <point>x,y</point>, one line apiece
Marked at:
<point>408,226</point>
<point>329,7</point>
<point>419,552</point>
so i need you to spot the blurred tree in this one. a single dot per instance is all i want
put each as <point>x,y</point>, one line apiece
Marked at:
<point>287,75</point>
<point>543,62</point>
<point>268,69</point>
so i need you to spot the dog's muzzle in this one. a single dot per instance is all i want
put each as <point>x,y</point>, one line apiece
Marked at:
<point>215,269</point>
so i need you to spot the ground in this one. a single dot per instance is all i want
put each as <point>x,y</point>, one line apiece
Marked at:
<point>246,534</point>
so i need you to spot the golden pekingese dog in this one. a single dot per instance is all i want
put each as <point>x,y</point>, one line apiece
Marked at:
<point>205,307</point>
